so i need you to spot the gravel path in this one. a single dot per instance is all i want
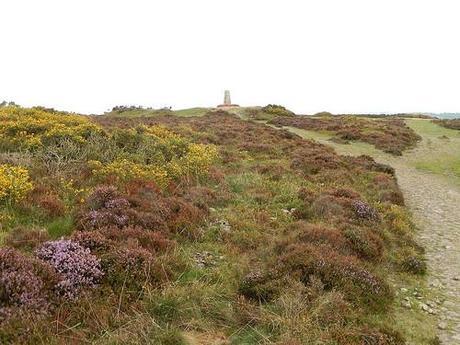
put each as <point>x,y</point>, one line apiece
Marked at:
<point>435,204</point>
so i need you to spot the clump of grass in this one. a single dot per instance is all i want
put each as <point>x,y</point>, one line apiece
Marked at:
<point>61,226</point>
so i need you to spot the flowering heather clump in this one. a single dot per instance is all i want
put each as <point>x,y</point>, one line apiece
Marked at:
<point>78,267</point>
<point>105,207</point>
<point>95,219</point>
<point>364,211</point>
<point>129,268</point>
<point>336,271</point>
<point>101,195</point>
<point>25,284</point>
<point>92,240</point>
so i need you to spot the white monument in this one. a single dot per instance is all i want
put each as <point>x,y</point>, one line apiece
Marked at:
<point>227,101</point>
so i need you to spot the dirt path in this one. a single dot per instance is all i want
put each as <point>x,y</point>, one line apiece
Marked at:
<point>435,203</point>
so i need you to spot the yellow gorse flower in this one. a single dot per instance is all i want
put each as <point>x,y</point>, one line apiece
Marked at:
<point>14,183</point>
<point>24,128</point>
<point>124,170</point>
<point>183,159</point>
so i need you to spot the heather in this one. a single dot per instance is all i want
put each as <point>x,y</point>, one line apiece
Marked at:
<point>451,124</point>
<point>25,284</point>
<point>164,229</point>
<point>388,134</point>
<point>78,268</point>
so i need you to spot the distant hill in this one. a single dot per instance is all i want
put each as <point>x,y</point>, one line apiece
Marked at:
<point>135,111</point>
<point>444,115</point>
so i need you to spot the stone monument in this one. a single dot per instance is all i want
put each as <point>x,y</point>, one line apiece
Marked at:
<point>227,101</point>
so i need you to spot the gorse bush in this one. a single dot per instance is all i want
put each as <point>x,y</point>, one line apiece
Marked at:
<point>145,152</point>
<point>78,268</point>
<point>31,129</point>
<point>14,183</point>
<point>154,153</point>
<point>194,161</point>
<point>277,110</point>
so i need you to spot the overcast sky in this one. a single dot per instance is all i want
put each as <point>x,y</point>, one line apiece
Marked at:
<point>341,56</point>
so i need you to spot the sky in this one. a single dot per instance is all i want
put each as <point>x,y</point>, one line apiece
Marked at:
<point>353,56</point>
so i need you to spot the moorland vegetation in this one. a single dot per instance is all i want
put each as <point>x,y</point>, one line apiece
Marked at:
<point>389,134</point>
<point>448,123</point>
<point>178,230</point>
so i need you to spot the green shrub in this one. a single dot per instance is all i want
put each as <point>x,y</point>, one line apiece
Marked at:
<point>278,110</point>
<point>414,265</point>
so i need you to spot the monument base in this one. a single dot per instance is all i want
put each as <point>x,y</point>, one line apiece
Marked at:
<point>227,106</point>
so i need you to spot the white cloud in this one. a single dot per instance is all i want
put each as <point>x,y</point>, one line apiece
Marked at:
<point>341,56</point>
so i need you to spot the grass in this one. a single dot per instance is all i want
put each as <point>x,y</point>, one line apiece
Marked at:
<point>191,112</point>
<point>60,227</point>
<point>438,153</point>
<point>448,165</point>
